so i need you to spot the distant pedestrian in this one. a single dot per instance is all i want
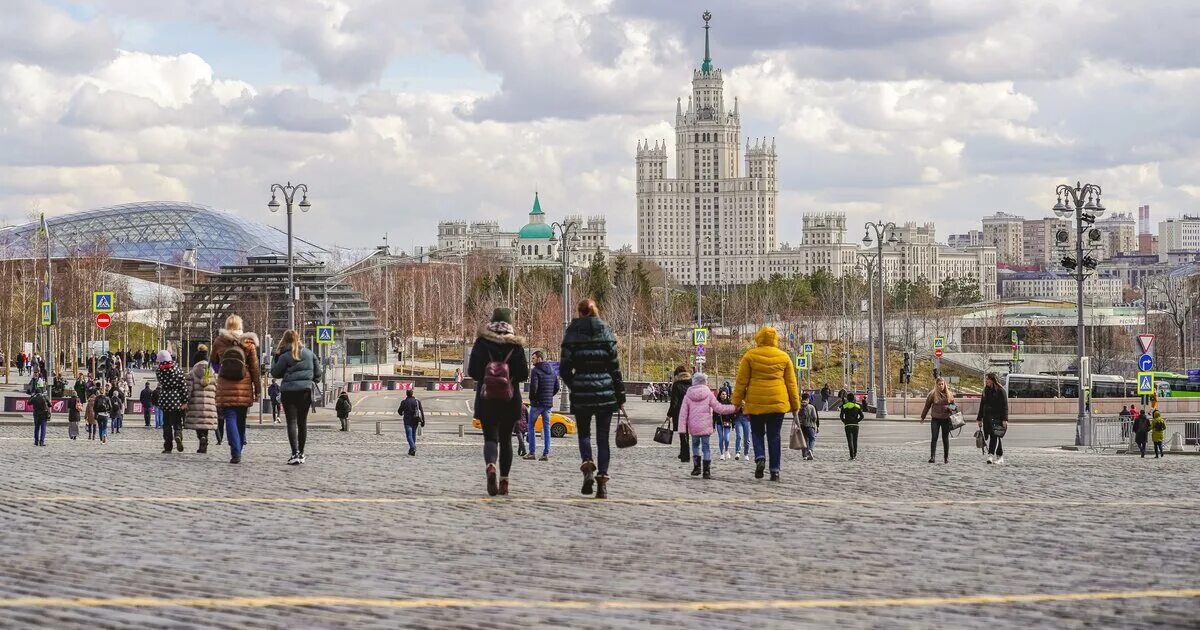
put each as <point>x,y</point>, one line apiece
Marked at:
<point>41,416</point>
<point>74,410</point>
<point>681,383</point>
<point>103,408</point>
<point>723,424</point>
<point>172,398</point>
<point>543,387</point>
<point>147,400</point>
<point>741,435</point>
<point>297,369</point>
<point>826,394</point>
<point>1158,431</point>
<point>239,385</point>
<point>591,369</point>
<point>200,414</point>
<point>80,387</point>
<point>938,406</point>
<point>118,406</point>
<point>993,417</point>
<point>497,365</point>
<point>766,389</point>
<point>1141,431</point>
<point>90,415</point>
<point>413,415</point>
<point>696,420</point>
<point>810,424</point>
<point>273,392</point>
<point>343,409</point>
<point>851,414</point>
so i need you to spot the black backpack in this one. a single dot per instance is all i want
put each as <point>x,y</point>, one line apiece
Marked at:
<point>233,363</point>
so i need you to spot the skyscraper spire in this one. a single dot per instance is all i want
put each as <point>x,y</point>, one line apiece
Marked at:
<point>707,65</point>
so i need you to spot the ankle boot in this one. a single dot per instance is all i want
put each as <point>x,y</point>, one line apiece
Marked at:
<point>695,465</point>
<point>588,469</point>
<point>602,487</point>
<point>708,470</point>
<point>203,445</point>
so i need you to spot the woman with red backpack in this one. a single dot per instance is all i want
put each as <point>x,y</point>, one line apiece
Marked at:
<point>498,366</point>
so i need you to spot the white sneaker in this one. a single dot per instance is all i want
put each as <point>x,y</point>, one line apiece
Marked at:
<point>989,460</point>
<point>1000,460</point>
<point>737,455</point>
<point>300,459</point>
<point>293,460</point>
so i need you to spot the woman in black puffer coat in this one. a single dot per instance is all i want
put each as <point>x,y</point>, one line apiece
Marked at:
<point>592,370</point>
<point>679,388</point>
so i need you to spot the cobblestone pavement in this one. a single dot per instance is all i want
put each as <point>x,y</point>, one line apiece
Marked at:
<point>362,535</point>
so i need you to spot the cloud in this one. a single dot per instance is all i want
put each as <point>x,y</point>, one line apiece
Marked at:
<point>38,34</point>
<point>294,110</point>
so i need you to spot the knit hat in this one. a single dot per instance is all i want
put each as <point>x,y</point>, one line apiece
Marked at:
<point>164,356</point>
<point>502,314</point>
<point>699,378</point>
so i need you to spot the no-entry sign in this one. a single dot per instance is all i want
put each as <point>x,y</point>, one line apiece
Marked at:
<point>103,320</point>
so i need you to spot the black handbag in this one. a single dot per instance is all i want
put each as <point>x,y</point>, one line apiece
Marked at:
<point>626,436</point>
<point>998,429</point>
<point>663,434</point>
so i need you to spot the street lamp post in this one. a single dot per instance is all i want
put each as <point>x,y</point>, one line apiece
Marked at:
<point>880,230</point>
<point>289,195</point>
<point>568,232</point>
<point>1082,203</point>
<point>867,261</point>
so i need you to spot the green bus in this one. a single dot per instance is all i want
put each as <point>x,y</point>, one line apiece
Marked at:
<point>1174,385</point>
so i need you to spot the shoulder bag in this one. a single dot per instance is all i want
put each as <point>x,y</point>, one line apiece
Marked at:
<point>797,441</point>
<point>663,434</point>
<point>626,436</point>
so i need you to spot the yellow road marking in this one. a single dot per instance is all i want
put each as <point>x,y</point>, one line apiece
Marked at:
<point>635,501</point>
<point>776,604</point>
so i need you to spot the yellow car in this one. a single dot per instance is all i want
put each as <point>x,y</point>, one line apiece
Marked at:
<point>560,425</point>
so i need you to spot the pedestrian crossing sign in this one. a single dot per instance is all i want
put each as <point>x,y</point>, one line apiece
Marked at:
<point>1145,383</point>
<point>699,336</point>
<point>102,302</point>
<point>47,314</point>
<point>325,334</point>
<point>802,362</point>
<point>808,347</point>
<point>939,343</point>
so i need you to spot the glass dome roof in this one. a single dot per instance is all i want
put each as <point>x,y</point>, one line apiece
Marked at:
<point>157,231</point>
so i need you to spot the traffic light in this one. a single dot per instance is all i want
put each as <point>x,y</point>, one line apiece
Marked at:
<point>908,362</point>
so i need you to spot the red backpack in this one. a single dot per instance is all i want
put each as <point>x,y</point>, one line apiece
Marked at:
<point>497,383</point>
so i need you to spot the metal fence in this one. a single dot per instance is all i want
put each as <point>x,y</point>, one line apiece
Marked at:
<point>1109,432</point>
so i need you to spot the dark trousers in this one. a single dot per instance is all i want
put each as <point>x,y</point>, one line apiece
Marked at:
<point>995,445</point>
<point>146,413</point>
<point>852,439</point>
<point>172,428</point>
<point>497,442</point>
<point>767,426</point>
<point>39,431</point>
<point>583,423</point>
<point>935,427</point>
<point>1141,444</point>
<point>295,407</point>
<point>1158,449</point>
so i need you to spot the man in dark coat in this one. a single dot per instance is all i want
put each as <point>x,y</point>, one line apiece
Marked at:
<point>498,366</point>
<point>543,387</point>
<point>591,369</point>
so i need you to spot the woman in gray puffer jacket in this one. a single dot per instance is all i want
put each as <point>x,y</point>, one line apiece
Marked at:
<point>297,369</point>
<point>200,414</point>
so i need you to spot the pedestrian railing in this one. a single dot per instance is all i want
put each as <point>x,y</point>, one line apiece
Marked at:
<point>1191,432</point>
<point>1109,433</point>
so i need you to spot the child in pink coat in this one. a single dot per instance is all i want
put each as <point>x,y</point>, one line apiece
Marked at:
<point>696,420</point>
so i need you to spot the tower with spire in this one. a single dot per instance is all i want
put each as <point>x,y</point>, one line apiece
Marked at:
<point>711,200</point>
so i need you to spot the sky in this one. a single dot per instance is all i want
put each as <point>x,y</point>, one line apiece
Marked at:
<point>401,113</point>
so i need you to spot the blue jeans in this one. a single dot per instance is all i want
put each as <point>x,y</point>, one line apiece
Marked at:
<point>534,414</point>
<point>701,443</point>
<point>117,420</point>
<point>39,431</point>
<point>583,422</point>
<point>810,436</point>
<point>741,433</point>
<point>158,418</point>
<point>410,434</point>
<point>102,422</point>
<point>768,426</point>
<point>232,416</point>
<point>722,438</point>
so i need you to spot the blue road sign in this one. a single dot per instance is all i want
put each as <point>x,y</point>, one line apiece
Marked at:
<point>102,302</point>
<point>808,347</point>
<point>1145,383</point>
<point>700,350</point>
<point>1146,363</point>
<point>324,334</point>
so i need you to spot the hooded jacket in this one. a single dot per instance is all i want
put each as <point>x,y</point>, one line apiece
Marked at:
<point>247,391</point>
<point>766,378</point>
<point>1158,427</point>
<point>491,346</point>
<point>675,395</point>
<point>543,385</point>
<point>590,366</point>
<point>202,398</point>
<point>296,375</point>
<point>172,390</point>
<point>699,405</point>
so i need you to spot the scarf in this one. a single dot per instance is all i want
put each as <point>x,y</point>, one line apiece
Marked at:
<point>501,328</point>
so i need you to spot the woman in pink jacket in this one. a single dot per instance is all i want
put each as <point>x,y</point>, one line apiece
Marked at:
<point>696,420</point>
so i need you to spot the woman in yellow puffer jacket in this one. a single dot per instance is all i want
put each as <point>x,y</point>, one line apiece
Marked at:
<point>766,389</point>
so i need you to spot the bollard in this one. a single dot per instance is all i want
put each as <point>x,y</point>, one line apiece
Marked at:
<point>462,430</point>
<point>1176,444</point>
<point>378,428</point>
